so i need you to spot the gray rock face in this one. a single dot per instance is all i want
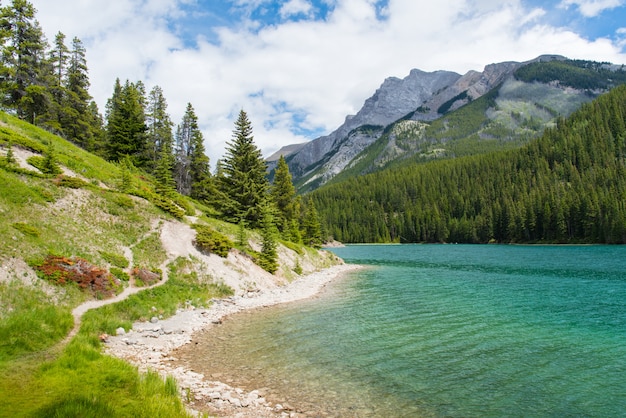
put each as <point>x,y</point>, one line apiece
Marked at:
<point>393,100</point>
<point>419,96</point>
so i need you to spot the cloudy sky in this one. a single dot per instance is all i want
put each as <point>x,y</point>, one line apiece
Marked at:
<point>298,67</point>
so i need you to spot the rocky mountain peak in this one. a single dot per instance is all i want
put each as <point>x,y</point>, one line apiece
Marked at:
<point>421,96</point>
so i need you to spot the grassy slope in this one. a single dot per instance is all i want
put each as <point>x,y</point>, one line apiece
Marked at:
<point>40,373</point>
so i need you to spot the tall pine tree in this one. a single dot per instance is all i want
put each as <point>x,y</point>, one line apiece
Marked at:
<point>126,124</point>
<point>192,173</point>
<point>283,195</point>
<point>243,179</point>
<point>79,123</point>
<point>159,134</point>
<point>23,53</point>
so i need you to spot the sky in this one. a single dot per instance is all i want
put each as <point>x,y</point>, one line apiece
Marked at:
<point>299,67</point>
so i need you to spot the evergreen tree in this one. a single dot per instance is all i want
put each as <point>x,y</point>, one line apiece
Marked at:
<point>243,181</point>
<point>56,72</point>
<point>268,259</point>
<point>59,56</point>
<point>22,61</point>
<point>159,124</point>
<point>125,182</point>
<point>50,164</point>
<point>94,117</point>
<point>192,165</point>
<point>199,170</point>
<point>10,157</point>
<point>79,122</point>
<point>311,226</point>
<point>283,194</point>
<point>165,183</point>
<point>126,124</point>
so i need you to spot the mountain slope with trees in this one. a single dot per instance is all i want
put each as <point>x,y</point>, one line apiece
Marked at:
<point>502,108</point>
<point>569,186</point>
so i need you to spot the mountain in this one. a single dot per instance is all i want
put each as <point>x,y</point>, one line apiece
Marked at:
<point>440,114</point>
<point>567,186</point>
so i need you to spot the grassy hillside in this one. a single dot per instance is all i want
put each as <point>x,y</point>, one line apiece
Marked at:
<point>78,229</point>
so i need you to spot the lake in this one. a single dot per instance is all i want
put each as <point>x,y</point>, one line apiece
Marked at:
<point>441,330</point>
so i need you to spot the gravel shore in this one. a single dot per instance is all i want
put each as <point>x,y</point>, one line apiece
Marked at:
<point>149,345</point>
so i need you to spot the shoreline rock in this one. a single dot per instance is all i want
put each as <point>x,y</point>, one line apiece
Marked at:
<point>149,345</point>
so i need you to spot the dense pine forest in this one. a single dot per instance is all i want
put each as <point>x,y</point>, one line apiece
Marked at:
<point>569,186</point>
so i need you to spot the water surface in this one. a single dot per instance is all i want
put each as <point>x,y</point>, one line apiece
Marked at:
<point>441,330</point>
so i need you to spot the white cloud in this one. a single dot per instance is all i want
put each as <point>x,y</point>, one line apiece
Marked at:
<point>295,7</point>
<point>306,75</point>
<point>592,8</point>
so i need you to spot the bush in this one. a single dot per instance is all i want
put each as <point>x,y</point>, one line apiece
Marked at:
<point>116,260</point>
<point>63,270</point>
<point>119,273</point>
<point>71,182</point>
<point>209,240</point>
<point>26,229</point>
<point>161,202</point>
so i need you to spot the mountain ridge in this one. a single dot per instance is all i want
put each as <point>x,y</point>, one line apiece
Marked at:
<point>424,97</point>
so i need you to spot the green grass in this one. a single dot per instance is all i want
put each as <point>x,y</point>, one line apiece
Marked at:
<point>42,374</point>
<point>149,252</point>
<point>28,322</point>
<point>80,381</point>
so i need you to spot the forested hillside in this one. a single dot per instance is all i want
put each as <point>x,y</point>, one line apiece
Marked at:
<point>569,186</point>
<point>504,107</point>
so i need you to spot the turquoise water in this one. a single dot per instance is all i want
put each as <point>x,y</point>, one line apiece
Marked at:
<point>444,330</point>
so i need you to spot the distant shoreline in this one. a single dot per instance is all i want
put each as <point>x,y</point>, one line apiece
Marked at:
<point>149,345</point>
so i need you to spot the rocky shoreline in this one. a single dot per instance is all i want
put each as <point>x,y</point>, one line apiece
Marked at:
<point>149,346</point>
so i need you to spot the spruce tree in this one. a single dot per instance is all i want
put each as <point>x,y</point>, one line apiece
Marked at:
<point>10,157</point>
<point>55,73</point>
<point>126,124</point>
<point>269,255</point>
<point>159,124</point>
<point>283,194</point>
<point>243,181</point>
<point>79,123</point>
<point>199,169</point>
<point>192,172</point>
<point>165,184</point>
<point>311,226</point>
<point>50,164</point>
<point>24,46</point>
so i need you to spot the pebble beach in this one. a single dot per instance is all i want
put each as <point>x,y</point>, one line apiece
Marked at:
<point>150,346</point>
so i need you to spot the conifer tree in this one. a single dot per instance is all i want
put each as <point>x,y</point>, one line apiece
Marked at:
<point>165,184</point>
<point>126,124</point>
<point>79,123</point>
<point>311,226</point>
<point>283,194</point>
<point>192,165</point>
<point>10,157</point>
<point>269,255</point>
<point>23,51</point>
<point>56,72</point>
<point>243,181</point>
<point>159,124</point>
<point>50,164</point>
<point>199,169</point>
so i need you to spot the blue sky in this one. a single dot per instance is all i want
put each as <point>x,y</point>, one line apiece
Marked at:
<point>299,67</point>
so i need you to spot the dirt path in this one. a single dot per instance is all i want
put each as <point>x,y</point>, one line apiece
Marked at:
<point>80,310</point>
